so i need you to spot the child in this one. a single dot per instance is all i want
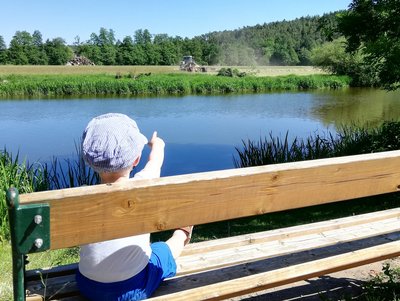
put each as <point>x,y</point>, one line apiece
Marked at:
<point>128,268</point>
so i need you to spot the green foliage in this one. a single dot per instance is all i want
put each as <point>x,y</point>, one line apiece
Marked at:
<point>25,178</point>
<point>57,52</point>
<point>373,27</point>
<point>384,286</point>
<point>348,141</point>
<point>158,84</point>
<point>332,57</point>
<point>3,51</point>
<point>231,72</point>
<point>38,177</point>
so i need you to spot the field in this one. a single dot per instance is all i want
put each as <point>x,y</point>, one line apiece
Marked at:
<point>112,70</point>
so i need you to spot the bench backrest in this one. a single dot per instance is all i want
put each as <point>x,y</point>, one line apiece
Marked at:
<point>96,213</point>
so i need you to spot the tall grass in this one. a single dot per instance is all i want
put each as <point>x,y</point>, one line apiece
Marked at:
<point>25,178</point>
<point>70,173</point>
<point>347,141</point>
<point>38,177</point>
<point>158,84</point>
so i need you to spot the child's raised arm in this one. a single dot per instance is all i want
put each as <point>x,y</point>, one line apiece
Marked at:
<point>156,157</point>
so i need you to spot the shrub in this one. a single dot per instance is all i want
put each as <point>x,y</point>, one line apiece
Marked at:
<point>229,72</point>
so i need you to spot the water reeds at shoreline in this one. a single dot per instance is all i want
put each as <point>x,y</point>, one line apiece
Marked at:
<point>157,84</point>
<point>348,141</point>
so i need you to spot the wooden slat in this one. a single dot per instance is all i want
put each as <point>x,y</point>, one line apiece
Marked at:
<point>62,270</point>
<point>89,214</point>
<point>289,232</point>
<point>285,275</point>
<point>263,250</point>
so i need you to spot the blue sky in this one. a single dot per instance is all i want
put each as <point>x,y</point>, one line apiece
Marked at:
<point>185,18</point>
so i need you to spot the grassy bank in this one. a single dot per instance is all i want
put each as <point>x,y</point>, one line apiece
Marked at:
<point>157,84</point>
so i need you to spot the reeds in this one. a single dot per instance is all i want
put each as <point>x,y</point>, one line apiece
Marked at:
<point>158,84</point>
<point>25,178</point>
<point>39,177</point>
<point>347,141</point>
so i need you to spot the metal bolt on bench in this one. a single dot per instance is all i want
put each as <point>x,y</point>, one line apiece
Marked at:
<point>31,234</point>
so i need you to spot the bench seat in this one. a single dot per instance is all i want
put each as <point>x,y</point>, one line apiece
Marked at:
<point>227,267</point>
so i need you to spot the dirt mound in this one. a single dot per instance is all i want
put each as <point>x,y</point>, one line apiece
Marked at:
<point>80,61</point>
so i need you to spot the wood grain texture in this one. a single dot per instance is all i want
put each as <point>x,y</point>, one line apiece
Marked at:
<point>89,214</point>
<point>289,274</point>
<point>231,258</point>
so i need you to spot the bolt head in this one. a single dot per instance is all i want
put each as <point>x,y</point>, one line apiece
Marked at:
<point>38,243</point>
<point>38,219</point>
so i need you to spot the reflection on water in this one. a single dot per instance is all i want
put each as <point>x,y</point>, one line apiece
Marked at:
<point>357,106</point>
<point>201,132</point>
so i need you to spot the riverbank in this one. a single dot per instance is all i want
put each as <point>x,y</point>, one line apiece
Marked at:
<point>148,84</point>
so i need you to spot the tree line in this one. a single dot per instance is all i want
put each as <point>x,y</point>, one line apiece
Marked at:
<point>277,43</point>
<point>343,43</point>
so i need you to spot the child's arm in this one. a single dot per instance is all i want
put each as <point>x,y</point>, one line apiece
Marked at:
<point>156,157</point>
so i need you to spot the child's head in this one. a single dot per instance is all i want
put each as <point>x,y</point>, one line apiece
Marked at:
<point>112,143</point>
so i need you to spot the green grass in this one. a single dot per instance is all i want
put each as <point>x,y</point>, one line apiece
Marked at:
<point>385,286</point>
<point>39,260</point>
<point>25,178</point>
<point>157,84</point>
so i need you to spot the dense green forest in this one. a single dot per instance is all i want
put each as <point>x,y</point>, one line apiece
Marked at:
<point>277,43</point>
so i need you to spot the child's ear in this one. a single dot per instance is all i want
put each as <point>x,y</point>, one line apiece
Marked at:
<point>136,162</point>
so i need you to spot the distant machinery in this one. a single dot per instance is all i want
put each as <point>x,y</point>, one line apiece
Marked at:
<point>188,64</point>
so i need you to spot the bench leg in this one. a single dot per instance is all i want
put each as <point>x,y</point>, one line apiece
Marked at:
<point>18,259</point>
<point>19,277</point>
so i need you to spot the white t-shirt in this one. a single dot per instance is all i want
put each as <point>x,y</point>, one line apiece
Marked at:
<point>117,259</point>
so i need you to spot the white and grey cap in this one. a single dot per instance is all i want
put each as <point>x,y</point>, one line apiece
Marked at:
<point>112,142</point>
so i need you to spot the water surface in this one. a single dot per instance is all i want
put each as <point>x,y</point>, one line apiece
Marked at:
<point>201,132</point>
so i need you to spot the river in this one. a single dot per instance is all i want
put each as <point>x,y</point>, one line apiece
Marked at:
<point>201,132</point>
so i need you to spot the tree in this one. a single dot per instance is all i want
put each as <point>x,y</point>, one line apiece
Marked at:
<point>37,55</point>
<point>332,57</point>
<point>142,37</point>
<point>57,52</point>
<point>3,51</point>
<point>125,52</point>
<point>19,49</point>
<point>374,27</point>
<point>166,48</point>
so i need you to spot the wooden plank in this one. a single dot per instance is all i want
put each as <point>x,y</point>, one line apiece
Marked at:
<point>52,288</point>
<point>285,275</point>
<point>288,232</point>
<point>62,270</point>
<point>262,250</point>
<point>97,213</point>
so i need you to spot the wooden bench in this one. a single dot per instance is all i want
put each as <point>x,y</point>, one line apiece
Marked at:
<point>221,268</point>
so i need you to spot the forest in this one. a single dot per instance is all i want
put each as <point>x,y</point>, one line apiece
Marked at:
<point>277,43</point>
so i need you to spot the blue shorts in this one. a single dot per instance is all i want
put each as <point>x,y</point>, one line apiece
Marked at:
<point>161,265</point>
